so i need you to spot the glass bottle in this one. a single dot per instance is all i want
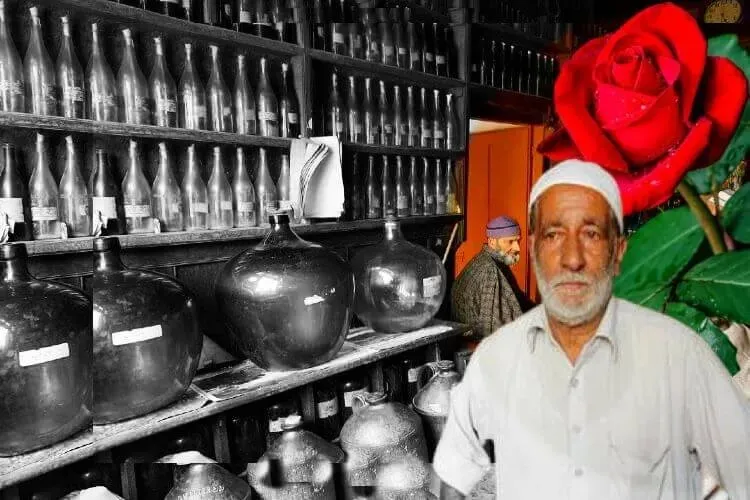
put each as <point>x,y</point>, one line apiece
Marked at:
<point>494,67</point>
<point>438,123</point>
<point>327,415</point>
<point>440,200</point>
<point>355,39</point>
<point>163,89</point>
<point>452,131</point>
<point>276,413</point>
<point>74,198</point>
<point>102,90</point>
<point>12,85</point>
<point>428,53</point>
<point>12,196</point>
<point>428,187</point>
<point>192,95</point>
<point>166,198</point>
<point>280,21</point>
<point>211,12</point>
<point>372,120</point>
<point>353,383</point>
<point>194,194</point>
<point>388,50</point>
<point>267,106</point>
<point>136,195</point>
<point>283,187</point>
<point>188,10</point>
<point>219,98</point>
<point>265,190</point>
<point>415,46</point>
<point>401,42</point>
<point>354,113</point>
<point>485,62</point>
<point>244,100</point>
<point>441,50</point>
<point>426,120</point>
<point>389,189</point>
<point>414,135</point>
<point>226,13</point>
<point>402,188</point>
<point>400,122</point>
<point>355,198</point>
<point>243,193</point>
<point>43,195</point>
<point>416,189</point>
<point>319,24</point>
<point>171,8</point>
<point>373,192</point>
<point>451,189</point>
<point>373,43</point>
<point>220,214</point>
<point>245,16</point>
<point>335,115</point>
<point>288,105</point>
<point>385,112</point>
<point>39,72</point>
<point>69,76</point>
<point>105,196</point>
<point>338,28</point>
<point>261,19</point>
<point>132,85</point>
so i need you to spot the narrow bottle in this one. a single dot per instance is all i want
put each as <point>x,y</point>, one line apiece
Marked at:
<point>426,120</point>
<point>171,8</point>
<point>43,195</point>
<point>12,84</point>
<point>400,121</point>
<point>245,13</point>
<point>494,67</point>
<point>327,414</point>
<point>402,188</point>
<point>388,45</point>
<point>192,95</point>
<point>166,198</point>
<point>452,131</point>
<point>371,118</point>
<point>188,10</point>
<point>194,194</point>
<point>136,194</point>
<point>451,189</point>
<point>265,190</point>
<point>74,199</point>
<point>133,86</point>
<point>220,214</point>
<point>485,61</point>
<point>354,113</point>
<point>319,25</point>
<point>352,384</point>
<point>416,189</point>
<point>438,122</point>
<point>389,189</point>
<point>261,19</point>
<point>441,50</point>
<point>385,113</point>
<point>105,197</point>
<point>163,89</point>
<point>226,13</point>
<point>243,193</point>
<point>355,40</point>
<point>244,100</point>
<point>39,72</point>
<point>280,20</point>
<point>69,76</point>
<point>440,188</point>
<point>428,187</point>
<point>414,134</point>
<point>373,192</point>
<point>219,98</point>
<point>415,46</point>
<point>355,189</point>
<point>101,86</point>
<point>335,114</point>
<point>283,187</point>
<point>13,196</point>
<point>337,28</point>
<point>211,12</point>
<point>428,52</point>
<point>288,105</point>
<point>373,45</point>
<point>401,42</point>
<point>267,106</point>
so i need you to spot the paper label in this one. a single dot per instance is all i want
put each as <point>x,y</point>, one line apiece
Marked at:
<point>439,134</point>
<point>200,111</point>
<point>104,205</point>
<point>201,208</point>
<point>349,396</point>
<point>431,286</point>
<point>358,128</point>
<point>43,213</point>
<point>12,87</point>
<point>275,425</point>
<point>402,51</point>
<point>388,128</point>
<point>246,207</point>
<point>245,16</point>
<point>168,106</point>
<point>43,354</point>
<point>176,2</point>
<point>226,111</point>
<point>429,56</point>
<point>267,115</point>
<point>105,100</point>
<point>13,208</point>
<point>403,202</point>
<point>136,335</point>
<point>328,408</point>
<point>313,299</point>
<point>388,50</point>
<point>413,375</point>
<point>426,133</point>
<point>293,119</point>
<point>74,94</point>
<point>440,59</point>
<point>285,205</point>
<point>415,55</point>
<point>338,37</point>
<point>403,130</point>
<point>225,205</point>
<point>321,31</point>
<point>137,211</point>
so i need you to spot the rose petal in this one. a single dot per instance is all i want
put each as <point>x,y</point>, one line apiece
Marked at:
<point>558,147</point>
<point>633,69</point>
<point>680,30</point>
<point>656,184</point>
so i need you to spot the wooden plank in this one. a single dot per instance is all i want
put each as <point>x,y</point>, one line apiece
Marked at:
<point>377,149</point>
<point>506,105</point>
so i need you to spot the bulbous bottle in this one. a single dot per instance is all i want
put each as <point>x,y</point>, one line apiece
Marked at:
<point>136,194</point>
<point>194,194</point>
<point>433,401</point>
<point>166,198</point>
<point>105,198</point>
<point>243,193</point>
<point>268,105</point>
<point>45,358</point>
<point>74,198</point>
<point>101,86</point>
<point>219,98</point>
<point>405,477</point>
<point>219,195</point>
<point>133,86</point>
<point>43,196</point>
<point>12,84</point>
<point>244,100</point>
<point>208,481</point>
<point>39,72</point>
<point>192,95</point>
<point>286,302</point>
<point>266,197</point>
<point>163,89</point>
<point>400,285</point>
<point>69,76</point>
<point>147,342</point>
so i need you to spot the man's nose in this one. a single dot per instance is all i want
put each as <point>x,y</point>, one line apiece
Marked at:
<point>572,255</point>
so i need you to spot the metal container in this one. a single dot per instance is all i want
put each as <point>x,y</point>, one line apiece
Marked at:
<point>207,481</point>
<point>433,402</point>
<point>95,493</point>
<point>407,478</point>
<point>45,357</point>
<point>378,433</point>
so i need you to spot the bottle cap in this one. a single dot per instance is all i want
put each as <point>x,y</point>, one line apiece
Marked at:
<point>373,398</point>
<point>278,217</point>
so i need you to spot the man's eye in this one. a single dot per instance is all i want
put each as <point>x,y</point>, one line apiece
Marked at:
<point>592,234</point>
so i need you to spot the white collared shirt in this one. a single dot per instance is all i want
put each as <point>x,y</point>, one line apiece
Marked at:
<point>646,403</point>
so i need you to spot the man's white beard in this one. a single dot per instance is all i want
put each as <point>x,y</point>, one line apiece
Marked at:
<point>600,291</point>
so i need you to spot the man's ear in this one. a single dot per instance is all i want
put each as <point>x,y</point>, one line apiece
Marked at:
<point>620,249</point>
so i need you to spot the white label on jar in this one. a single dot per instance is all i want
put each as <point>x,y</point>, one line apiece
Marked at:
<point>201,208</point>
<point>403,202</point>
<point>105,205</point>
<point>275,425</point>
<point>246,207</point>
<point>225,205</point>
<point>226,111</point>
<point>349,397</point>
<point>74,94</point>
<point>413,375</point>
<point>429,56</point>
<point>136,335</point>
<point>49,92</point>
<point>186,4</point>
<point>200,111</point>
<point>245,16</point>
<point>431,286</point>
<point>402,51</point>
<point>439,134</point>
<point>105,100</point>
<point>43,354</point>
<point>13,87</point>
<point>135,211</point>
<point>441,59</point>
<point>328,408</point>
<point>43,213</point>
<point>338,37</point>
<point>140,104</point>
<point>293,118</point>
<point>13,208</point>
<point>267,115</point>
<point>375,203</point>
<point>388,50</point>
<point>415,56</point>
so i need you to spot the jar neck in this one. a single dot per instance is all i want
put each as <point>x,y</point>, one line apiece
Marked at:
<point>281,234</point>
<point>393,231</point>
<point>14,270</point>
<point>107,260</point>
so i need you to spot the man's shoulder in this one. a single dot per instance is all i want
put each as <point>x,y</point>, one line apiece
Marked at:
<point>649,327</point>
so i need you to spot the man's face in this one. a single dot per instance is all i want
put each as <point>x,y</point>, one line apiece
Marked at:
<point>509,249</point>
<point>576,252</point>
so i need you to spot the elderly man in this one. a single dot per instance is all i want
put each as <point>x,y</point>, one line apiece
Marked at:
<point>588,396</point>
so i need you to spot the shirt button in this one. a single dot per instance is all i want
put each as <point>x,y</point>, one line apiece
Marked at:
<point>574,382</point>
<point>578,472</point>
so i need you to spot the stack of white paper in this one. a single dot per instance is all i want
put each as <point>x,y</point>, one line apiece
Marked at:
<point>316,184</point>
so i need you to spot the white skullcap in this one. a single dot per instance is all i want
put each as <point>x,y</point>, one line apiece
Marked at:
<point>581,173</point>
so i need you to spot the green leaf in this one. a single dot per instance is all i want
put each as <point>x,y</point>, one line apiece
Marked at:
<point>709,179</point>
<point>709,332</point>
<point>656,254</point>
<point>736,215</point>
<point>720,286</point>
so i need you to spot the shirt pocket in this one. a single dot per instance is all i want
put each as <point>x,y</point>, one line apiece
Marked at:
<point>640,460</point>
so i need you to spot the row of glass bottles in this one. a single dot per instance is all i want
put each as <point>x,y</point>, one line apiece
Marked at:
<point>59,89</point>
<point>418,117</point>
<point>401,187</point>
<point>132,206</point>
<point>387,36</point>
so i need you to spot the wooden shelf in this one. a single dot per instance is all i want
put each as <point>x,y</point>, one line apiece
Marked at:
<point>81,126</point>
<point>376,149</point>
<point>360,67</point>
<point>508,34</point>
<point>420,13</point>
<point>490,103</point>
<point>218,392</point>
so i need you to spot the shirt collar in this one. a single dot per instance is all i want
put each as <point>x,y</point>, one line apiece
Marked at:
<point>539,324</point>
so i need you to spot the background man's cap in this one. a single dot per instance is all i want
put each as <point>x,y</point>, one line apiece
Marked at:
<point>503,227</point>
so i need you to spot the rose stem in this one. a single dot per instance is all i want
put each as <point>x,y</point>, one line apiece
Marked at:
<point>708,222</point>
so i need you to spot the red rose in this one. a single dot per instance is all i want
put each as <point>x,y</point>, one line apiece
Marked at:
<point>647,104</point>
